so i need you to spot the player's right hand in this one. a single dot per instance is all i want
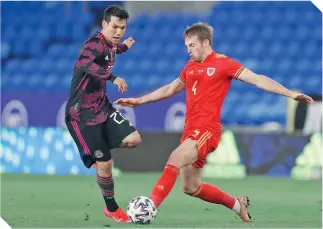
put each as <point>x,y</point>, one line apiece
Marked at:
<point>129,42</point>
<point>128,102</point>
<point>121,83</point>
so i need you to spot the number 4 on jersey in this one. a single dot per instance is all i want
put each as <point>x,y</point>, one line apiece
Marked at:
<point>194,87</point>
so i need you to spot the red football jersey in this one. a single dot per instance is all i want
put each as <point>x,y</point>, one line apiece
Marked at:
<point>207,84</point>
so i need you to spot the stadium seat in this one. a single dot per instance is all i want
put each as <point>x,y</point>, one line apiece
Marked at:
<point>280,40</point>
<point>5,50</point>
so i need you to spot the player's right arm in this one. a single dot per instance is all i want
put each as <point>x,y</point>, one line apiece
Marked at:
<point>164,92</point>
<point>161,93</point>
<point>93,49</point>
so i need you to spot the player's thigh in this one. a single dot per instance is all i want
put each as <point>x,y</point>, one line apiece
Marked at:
<point>206,141</point>
<point>132,139</point>
<point>190,178</point>
<point>186,153</point>
<point>90,141</point>
<point>205,148</point>
<point>116,129</point>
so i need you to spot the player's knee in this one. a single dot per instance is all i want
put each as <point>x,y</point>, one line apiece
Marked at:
<point>190,189</point>
<point>105,167</point>
<point>136,139</point>
<point>132,140</point>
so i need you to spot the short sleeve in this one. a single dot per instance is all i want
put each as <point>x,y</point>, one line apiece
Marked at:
<point>233,68</point>
<point>182,76</point>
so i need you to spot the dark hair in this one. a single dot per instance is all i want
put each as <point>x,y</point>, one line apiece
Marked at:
<point>202,30</point>
<point>117,11</point>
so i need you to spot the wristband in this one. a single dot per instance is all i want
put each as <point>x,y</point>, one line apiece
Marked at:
<point>124,47</point>
<point>112,77</point>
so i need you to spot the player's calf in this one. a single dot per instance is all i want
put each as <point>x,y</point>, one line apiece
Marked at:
<point>191,182</point>
<point>213,194</point>
<point>185,154</point>
<point>106,184</point>
<point>189,189</point>
<point>131,141</point>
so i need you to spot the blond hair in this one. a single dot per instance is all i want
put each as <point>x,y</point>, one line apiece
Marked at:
<point>202,30</point>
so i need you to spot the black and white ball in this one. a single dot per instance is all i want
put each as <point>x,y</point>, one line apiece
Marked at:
<point>141,210</point>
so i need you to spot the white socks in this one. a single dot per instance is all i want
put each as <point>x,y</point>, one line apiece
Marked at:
<point>236,208</point>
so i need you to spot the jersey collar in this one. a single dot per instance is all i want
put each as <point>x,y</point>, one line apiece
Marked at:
<point>99,34</point>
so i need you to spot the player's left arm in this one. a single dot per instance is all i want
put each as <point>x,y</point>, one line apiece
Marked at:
<point>267,84</point>
<point>236,71</point>
<point>125,45</point>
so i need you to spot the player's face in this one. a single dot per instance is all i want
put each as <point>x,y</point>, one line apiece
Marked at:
<point>195,48</point>
<point>114,30</point>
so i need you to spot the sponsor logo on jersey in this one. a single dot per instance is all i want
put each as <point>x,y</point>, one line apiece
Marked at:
<point>111,55</point>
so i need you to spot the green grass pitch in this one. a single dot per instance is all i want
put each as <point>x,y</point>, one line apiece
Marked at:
<point>35,201</point>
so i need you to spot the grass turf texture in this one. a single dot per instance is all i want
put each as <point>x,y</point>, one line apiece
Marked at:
<point>36,201</point>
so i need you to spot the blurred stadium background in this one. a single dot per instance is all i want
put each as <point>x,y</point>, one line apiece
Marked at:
<point>264,134</point>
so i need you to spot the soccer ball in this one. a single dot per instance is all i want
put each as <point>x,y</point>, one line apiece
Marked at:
<point>141,210</point>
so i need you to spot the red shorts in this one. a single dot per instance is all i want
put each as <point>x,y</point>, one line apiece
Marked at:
<point>207,142</point>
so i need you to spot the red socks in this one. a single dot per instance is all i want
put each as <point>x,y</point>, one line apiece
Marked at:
<point>164,185</point>
<point>206,192</point>
<point>213,194</point>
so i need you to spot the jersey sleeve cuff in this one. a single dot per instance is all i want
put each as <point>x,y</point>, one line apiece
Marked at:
<point>238,73</point>
<point>181,79</point>
<point>112,77</point>
<point>124,47</point>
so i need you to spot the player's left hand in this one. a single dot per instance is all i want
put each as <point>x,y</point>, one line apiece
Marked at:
<point>128,102</point>
<point>129,42</point>
<point>121,83</point>
<point>302,97</point>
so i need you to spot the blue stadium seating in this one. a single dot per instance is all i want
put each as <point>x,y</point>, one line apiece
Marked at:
<point>279,39</point>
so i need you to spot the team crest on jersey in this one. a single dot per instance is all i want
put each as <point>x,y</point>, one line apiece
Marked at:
<point>210,71</point>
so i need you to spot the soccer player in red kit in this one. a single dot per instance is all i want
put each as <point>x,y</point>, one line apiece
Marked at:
<point>206,78</point>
